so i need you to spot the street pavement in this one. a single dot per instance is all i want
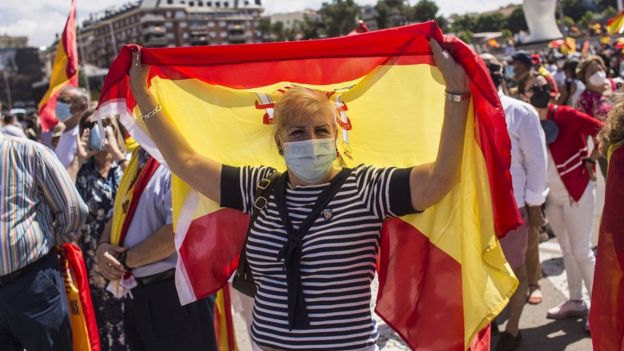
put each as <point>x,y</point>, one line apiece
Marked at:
<point>538,332</point>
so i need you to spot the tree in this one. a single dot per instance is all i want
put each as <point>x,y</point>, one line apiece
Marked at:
<point>516,21</point>
<point>490,22</point>
<point>339,17</point>
<point>609,12</point>
<point>312,27</point>
<point>391,13</point>
<point>586,20</point>
<point>277,30</point>
<point>574,8</point>
<point>424,10</point>
<point>463,23</point>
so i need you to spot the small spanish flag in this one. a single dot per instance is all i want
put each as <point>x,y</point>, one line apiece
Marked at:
<point>616,24</point>
<point>64,71</point>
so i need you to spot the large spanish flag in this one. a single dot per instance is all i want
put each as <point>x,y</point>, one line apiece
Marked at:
<point>442,274</point>
<point>606,318</point>
<point>64,71</point>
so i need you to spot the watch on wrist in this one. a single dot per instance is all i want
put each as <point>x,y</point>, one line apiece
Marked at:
<point>457,97</point>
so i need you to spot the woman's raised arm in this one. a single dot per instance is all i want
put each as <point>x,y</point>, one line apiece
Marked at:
<point>429,183</point>
<point>201,173</point>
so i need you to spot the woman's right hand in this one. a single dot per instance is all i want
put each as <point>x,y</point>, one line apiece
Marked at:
<point>138,75</point>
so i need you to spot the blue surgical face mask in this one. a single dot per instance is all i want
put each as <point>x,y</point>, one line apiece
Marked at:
<point>310,160</point>
<point>95,139</point>
<point>62,110</point>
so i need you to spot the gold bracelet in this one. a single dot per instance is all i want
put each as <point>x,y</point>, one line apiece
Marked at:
<point>152,113</point>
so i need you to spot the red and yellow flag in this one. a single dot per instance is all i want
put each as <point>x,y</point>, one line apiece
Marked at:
<point>615,25</point>
<point>606,318</point>
<point>442,274</point>
<point>85,334</point>
<point>64,71</point>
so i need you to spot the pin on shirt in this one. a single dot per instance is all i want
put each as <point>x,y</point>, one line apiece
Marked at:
<point>327,214</point>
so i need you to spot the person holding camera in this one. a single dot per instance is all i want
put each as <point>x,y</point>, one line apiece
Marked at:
<point>101,159</point>
<point>570,201</point>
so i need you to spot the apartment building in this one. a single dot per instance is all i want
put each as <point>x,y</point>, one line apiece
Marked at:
<point>168,23</point>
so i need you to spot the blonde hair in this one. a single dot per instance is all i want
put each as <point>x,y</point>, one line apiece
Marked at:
<point>298,103</point>
<point>613,130</point>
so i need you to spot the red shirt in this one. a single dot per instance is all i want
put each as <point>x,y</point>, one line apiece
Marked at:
<point>570,147</point>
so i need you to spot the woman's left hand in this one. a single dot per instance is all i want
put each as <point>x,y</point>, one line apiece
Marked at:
<point>453,73</point>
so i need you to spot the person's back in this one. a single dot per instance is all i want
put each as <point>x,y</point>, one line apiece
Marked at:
<point>39,207</point>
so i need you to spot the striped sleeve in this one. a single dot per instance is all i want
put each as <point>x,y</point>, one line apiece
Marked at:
<point>238,186</point>
<point>60,194</point>
<point>385,191</point>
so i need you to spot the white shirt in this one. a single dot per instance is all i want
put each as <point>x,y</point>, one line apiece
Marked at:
<point>528,152</point>
<point>66,147</point>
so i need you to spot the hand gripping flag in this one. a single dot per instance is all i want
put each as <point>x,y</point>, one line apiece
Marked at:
<point>606,318</point>
<point>442,274</point>
<point>64,71</point>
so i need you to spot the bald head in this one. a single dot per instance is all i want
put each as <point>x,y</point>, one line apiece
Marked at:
<point>489,59</point>
<point>495,68</point>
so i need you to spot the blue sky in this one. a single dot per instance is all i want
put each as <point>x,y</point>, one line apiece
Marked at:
<point>39,20</point>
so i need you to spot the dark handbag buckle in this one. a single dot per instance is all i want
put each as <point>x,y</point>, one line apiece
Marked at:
<point>260,203</point>
<point>263,183</point>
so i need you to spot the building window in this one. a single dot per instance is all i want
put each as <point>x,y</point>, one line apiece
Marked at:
<point>191,3</point>
<point>218,3</point>
<point>183,24</point>
<point>246,3</point>
<point>209,3</point>
<point>200,3</point>
<point>180,14</point>
<point>169,25</point>
<point>222,24</point>
<point>211,24</point>
<point>226,4</point>
<point>223,34</point>
<point>212,34</point>
<point>169,2</point>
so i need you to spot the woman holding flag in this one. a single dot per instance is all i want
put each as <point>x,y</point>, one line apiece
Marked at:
<point>313,274</point>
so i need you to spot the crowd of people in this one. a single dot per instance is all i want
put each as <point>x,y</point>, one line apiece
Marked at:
<point>85,181</point>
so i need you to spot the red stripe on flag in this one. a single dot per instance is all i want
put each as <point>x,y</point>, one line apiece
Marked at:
<point>417,281</point>
<point>220,235</point>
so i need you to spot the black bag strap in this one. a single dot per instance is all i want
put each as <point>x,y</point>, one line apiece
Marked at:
<point>263,192</point>
<point>291,251</point>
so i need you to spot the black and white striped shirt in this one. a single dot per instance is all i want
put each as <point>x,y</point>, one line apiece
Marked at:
<point>338,255</point>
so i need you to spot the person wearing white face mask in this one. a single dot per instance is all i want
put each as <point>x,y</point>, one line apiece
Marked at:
<point>596,100</point>
<point>353,202</point>
<point>72,102</point>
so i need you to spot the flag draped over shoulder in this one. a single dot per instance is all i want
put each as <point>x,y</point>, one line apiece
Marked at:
<point>64,71</point>
<point>442,274</point>
<point>607,313</point>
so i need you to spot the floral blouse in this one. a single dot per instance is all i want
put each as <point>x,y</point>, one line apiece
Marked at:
<point>99,195</point>
<point>594,104</point>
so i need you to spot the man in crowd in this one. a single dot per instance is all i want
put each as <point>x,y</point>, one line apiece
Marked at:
<point>523,64</point>
<point>528,171</point>
<point>137,248</point>
<point>40,207</point>
<point>11,126</point>
<point>72,102</point>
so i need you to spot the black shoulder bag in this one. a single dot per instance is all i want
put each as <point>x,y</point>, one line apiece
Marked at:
<point>243,279</point>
